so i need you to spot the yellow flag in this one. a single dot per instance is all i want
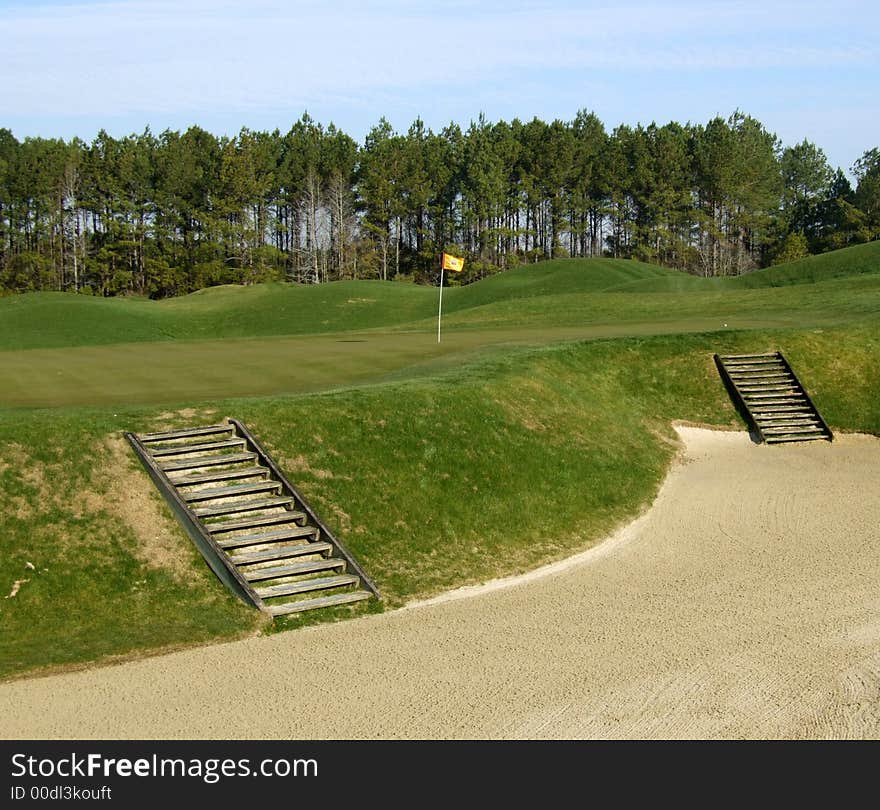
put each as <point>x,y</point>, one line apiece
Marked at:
<point>452,263</point>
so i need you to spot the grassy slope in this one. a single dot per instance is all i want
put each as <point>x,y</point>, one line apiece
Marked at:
<point>505,463</point>
<point>846,263</point>
<point>96,579</point>
<point>554,301</point>
<point>46,320</point>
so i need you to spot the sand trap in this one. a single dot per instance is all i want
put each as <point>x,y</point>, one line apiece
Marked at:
<point>744,604</point>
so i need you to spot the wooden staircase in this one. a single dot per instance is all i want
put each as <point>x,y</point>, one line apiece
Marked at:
<point>253,527</point>
<point>772,398</point>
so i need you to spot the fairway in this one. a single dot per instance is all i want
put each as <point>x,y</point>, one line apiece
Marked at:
<point>156,373</point>
<point>287,339</point>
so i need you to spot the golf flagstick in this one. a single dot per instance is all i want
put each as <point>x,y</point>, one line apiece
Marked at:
<point>440,308</point>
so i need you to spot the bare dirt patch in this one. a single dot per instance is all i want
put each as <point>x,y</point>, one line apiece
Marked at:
<point>131,497</point>
<point>173,419</point>
<point>118,488</point>
<point>300,464</point>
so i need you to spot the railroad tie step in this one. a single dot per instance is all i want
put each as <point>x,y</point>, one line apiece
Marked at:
<point>764,408</point>
<point>788,405</point>
<point>294,569</point>
<point>767,422</point>
<point>222,526</point>
<point>776,388</point>
<point>746,362</point>
<point>785,400</point>
<point>243,506</point>
<point>770,416</point>
<point>207,461</point>
<point>758,396</point>
<point>171,435</point>
<point>292,533</point>
<point>775,380</point>
<point>183,449</point>
<point>738,357</point>
<point>766,369</point>
<point>252,526</point>
<point>781,439</point>
<point>767,373</point>
<point>318,602</point>
<point>283,553</point>
<point>222,475</point>
<point>774,399</point>
<point>754,365</point>
<point>306,585</point>
<point>791,430</point>
<point>230,492</point>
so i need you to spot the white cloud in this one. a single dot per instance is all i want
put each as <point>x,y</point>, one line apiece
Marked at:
<point>72,68</point>
<point>117,57</point>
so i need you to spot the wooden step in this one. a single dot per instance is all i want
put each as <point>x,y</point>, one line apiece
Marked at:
<point>781,439</point>
<point>242,506</point>
<point>319,602</point>
<point>757,366</point>
<point>294,569</point>
<point>771,394</point>
<point>306,585</point>
<point>782,430</point>
<point>768,388</point>
<point>784,401</point>
<point>182,449</point>
<point>222,475</point>
<point>208,430</point>
<point>741,365</point>
<point>787,417</point>
<point>259,528</point>
<point>776,421</point>
<point>207,461</point>
<point>223,526</point>
<point>732,358</point>
<point>271,554</point>
<point>789,408</point>
<point>268,537</point>
<point>231,492</point>
<point>762,379</point>
<point>769,417</point>
<point>761,374</point>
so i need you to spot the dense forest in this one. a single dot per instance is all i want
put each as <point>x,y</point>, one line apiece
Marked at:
<point>167,214</point>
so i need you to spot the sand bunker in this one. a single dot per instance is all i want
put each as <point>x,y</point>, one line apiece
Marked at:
<point>744,604</point>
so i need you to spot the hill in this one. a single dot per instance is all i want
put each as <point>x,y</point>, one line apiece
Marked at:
<point>554,293</point>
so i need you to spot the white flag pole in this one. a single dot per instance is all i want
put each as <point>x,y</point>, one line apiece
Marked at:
<point>440,309</point>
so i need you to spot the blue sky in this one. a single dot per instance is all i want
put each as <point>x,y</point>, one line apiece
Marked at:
<point>805,69</point>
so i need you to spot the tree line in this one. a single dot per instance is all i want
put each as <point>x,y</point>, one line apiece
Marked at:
<point>167,214</point>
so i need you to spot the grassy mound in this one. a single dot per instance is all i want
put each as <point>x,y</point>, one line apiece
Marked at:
<point>848,262</point>
<point>566,291</point>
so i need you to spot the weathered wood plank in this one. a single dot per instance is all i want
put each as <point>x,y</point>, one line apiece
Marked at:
<point>183,449</point>
<point>292,533</point>
<point>242,506</point>
<point>294,569</point>
<point>319,602</point>
<point>306,585</point>
<point>185,433</point>
<point>207,461</point>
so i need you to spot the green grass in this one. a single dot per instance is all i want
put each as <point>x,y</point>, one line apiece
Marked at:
<point>437,467</point>
<point>93,584</point>
<point>250,354</point>
<point>60,320</point>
